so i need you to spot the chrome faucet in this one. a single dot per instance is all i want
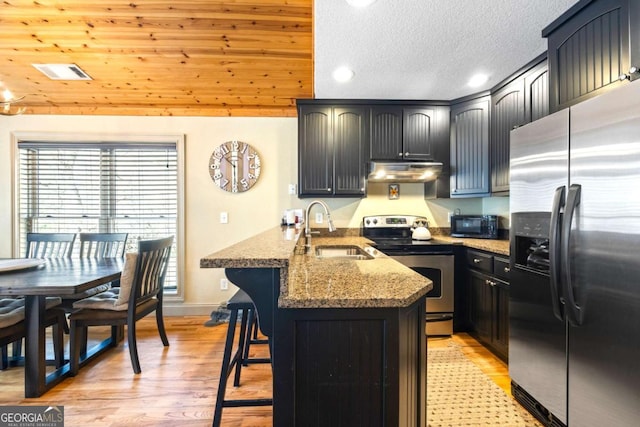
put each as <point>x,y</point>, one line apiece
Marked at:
<point>307,225</point>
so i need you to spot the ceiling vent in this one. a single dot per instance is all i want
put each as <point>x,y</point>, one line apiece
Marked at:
<point>62,71</point>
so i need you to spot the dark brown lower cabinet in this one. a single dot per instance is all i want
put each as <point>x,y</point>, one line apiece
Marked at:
<point>346,367</point>
<point>501,324</point>
<point>488,302</point>
<point>480,306</point>
<point>341,366</point>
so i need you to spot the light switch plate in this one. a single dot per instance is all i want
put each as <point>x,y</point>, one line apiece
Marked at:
<point>224,218</point>
<point>319,218</point>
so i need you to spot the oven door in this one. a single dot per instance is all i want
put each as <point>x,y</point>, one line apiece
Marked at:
<point>440,300</point>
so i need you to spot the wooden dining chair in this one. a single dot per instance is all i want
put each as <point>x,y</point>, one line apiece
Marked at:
<point>13,329</point>
<point>141,287</point>
<point>50,245</point>
<point>102,245</point>
<point>47,245</point>
<point>96,246</point>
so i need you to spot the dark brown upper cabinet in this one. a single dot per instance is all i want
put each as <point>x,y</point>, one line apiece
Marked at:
<point>519,100</point>
<point>507,112</point>
<point>536,92</point>
<point>386,133</point>
<point>332,145</point>
<point>593,47</point>
<point>470,147</point>
<point>407,132</point>
<point>481,125</point>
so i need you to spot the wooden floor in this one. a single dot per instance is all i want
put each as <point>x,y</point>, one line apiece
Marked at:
<point>177,385</point>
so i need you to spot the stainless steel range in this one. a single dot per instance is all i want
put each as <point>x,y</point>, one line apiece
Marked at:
<point>432,258</point>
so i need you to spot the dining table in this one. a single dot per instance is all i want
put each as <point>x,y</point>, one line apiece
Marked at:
<point>55,277</point>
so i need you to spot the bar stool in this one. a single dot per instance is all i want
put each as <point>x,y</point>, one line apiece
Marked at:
<point>252,338</point>
<point>239,301</point>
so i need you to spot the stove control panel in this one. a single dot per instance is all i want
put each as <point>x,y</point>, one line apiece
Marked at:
<point>391,221</point>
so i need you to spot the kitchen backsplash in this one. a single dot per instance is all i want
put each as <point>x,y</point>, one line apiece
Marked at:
<point>411,201</point>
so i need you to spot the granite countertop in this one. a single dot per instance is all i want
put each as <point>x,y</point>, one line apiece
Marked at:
<point>269,249</point>
<point>496,246</point>
<point>340,283</point>
<point>310,282</point>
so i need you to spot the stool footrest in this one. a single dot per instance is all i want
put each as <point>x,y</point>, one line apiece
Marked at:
<point>257,360</point>
<point>247,402</point>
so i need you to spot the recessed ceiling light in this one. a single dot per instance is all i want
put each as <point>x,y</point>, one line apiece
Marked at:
<point>343,74</point>
<point>360,3</point>
<point>62,71</point>
<point>478,80</point>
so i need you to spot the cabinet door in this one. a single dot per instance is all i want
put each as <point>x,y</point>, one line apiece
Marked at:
<point>315,150</point>
<point>536,93</point>
<point>500,339</point>
<point>507,111</point>
<point>386,133</point>
<point>470,148</point>
<point>591,49</point>
<point>418,133</point>
<point>480,306</point>
<point>350,137</point>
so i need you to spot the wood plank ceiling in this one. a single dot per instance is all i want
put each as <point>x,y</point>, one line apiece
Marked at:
<point>160,57</point>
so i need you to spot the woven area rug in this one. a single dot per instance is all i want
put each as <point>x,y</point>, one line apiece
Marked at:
<point>459,394</point>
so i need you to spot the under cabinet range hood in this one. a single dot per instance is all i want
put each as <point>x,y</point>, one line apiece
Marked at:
<point>404,171</point>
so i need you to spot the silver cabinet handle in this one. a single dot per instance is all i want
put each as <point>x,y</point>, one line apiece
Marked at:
<point>477,261</point>
<point>490,282</point>
<point>406,154</point>
<point>400,154</point>
<point>507,269</point>
<point>329,189</point>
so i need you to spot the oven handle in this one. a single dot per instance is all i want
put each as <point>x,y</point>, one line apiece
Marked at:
<point>432,318</point>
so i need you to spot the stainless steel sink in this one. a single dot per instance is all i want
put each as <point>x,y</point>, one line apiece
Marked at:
<point>351,252</point>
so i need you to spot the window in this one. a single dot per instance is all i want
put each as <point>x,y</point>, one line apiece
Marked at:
<point>100,186</point>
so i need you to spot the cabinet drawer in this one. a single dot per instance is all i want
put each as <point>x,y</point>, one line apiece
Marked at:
<point>501,268</point>
<point>480,261</point>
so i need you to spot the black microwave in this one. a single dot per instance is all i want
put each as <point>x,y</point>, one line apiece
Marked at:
<point>475,226</point>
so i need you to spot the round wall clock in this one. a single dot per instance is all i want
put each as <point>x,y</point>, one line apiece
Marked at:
<point>234,166</point>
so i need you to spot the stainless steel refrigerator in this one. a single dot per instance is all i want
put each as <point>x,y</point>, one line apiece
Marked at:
<point>574,347</point>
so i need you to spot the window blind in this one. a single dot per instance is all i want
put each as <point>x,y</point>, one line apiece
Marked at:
<point>100,187</point>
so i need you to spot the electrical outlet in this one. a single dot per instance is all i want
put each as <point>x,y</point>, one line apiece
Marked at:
<point>292,189</point>
<point>224,218</point>
<point>224,284</point>
<point>319,218</point>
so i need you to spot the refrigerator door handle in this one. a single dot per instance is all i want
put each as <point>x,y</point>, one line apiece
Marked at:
<point>574,313</point>
<point>554,252</point>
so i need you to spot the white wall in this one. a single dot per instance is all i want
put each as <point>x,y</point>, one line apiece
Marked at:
<point>249,213</point>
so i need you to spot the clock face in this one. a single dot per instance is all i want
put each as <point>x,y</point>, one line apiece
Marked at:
<point>234,166</point>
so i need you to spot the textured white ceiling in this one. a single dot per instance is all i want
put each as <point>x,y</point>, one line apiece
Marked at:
<point>426,49</point>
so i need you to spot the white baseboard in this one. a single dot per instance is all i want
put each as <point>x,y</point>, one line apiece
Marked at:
<point>181,309</point>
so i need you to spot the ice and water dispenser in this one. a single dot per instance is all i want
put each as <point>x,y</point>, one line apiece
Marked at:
<point>530,241</point>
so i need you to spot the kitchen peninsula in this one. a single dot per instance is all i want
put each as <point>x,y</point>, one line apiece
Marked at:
<point>346,332</point>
